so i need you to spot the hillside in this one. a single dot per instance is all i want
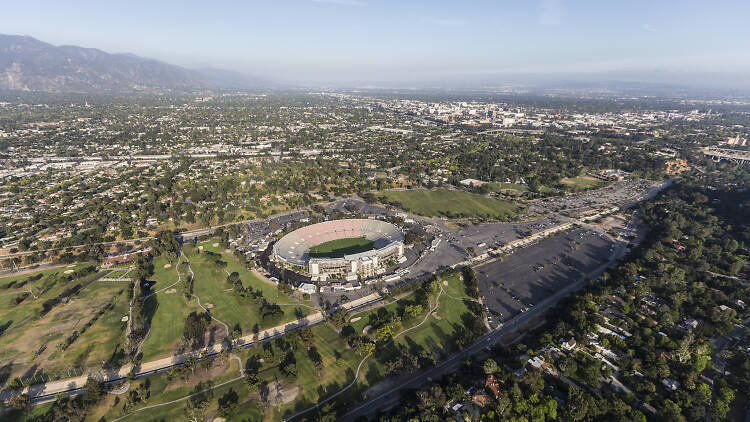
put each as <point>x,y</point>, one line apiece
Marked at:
<point>28,64</point>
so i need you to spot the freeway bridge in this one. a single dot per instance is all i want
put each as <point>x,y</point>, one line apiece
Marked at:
<point>719,154</point>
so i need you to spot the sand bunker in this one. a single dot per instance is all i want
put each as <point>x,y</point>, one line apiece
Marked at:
<point>355,319</point>
<point>167,265</point>
<point>209,306</point>
<point>125,318</point>
<point>170,291</point>
<point>200,248</point>
<point>278,394</point>
<point>69,271</point>
<point>215,245</point>
<point>436,316</point>
<point>445,282</point>
<point>366,329</point>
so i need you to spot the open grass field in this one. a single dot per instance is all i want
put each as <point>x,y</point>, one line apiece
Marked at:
<point>163,389</point>
<point>310,384</point>
<point>518,189</point>
<point>72,334</point>
<point>10,282</point>
<point>507,187</point>
<point>451,204</point>
<point>581,183</point>
<point>340,247</point>
<point>170,308</point>
<point>211,286</point>
<point>118,274</point>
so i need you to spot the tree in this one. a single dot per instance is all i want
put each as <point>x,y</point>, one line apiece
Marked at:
<point>489,366</point>
<point>384,334</point>
<point>197,412</point>
<point>190,363</point>
<point>412,311</point>
<point>20,401</point>
<point>15,384</point>
<point>205,360</point>
<point>195,325</point>
<point>94,391</point>
<point>721,406</point>
<point>227,402</point>
<point>366,348</point>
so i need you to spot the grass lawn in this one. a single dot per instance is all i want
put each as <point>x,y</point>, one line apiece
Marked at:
<point>211,285</point>
<point>36,413</point>
<point>28,338</point>
<point>507,187</point>
<point>581,183</point>
<point>451,204</point>
<point>99,341</point>
<point>544,190</point>
<point>435,335</point>
<point>169,310</point>
<point>340,247</point>
<point>339,366</point>
<point>33,277</point>
<point>162,390</point>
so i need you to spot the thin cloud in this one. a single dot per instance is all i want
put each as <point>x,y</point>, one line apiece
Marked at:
<point>444,22</point>
<point>551,13</point>
<point>648,28</point>
<point>341,2</point>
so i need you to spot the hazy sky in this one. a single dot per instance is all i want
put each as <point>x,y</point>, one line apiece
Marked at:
<point>321,40</point>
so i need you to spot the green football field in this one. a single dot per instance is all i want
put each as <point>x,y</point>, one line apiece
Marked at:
<point>340,247</point>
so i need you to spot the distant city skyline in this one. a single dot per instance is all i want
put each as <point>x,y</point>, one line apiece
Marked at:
<point>368,41</point>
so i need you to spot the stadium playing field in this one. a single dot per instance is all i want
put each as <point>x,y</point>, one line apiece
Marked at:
<point>339,247</point>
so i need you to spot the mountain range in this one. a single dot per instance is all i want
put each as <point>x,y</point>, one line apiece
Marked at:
<point>27,64</point>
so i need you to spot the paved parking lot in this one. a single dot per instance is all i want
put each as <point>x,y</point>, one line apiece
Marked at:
<point>530,274</point>
<point>621,192</point>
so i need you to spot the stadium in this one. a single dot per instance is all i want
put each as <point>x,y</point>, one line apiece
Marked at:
<point>351,248</point>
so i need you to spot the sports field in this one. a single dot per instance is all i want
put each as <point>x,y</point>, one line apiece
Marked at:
<point>507,187</point>
<point>340,247</point>
<point>451,204</point>
<point>581,183</point>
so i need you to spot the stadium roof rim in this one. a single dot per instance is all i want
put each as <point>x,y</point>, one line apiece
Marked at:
<point>294,248</point>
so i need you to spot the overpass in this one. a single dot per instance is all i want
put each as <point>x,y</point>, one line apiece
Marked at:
<point>719,154</point>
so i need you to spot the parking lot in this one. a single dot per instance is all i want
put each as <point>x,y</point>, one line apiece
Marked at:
<point>621,192</point>
<point>527,276</point>
<point>482,237</point>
